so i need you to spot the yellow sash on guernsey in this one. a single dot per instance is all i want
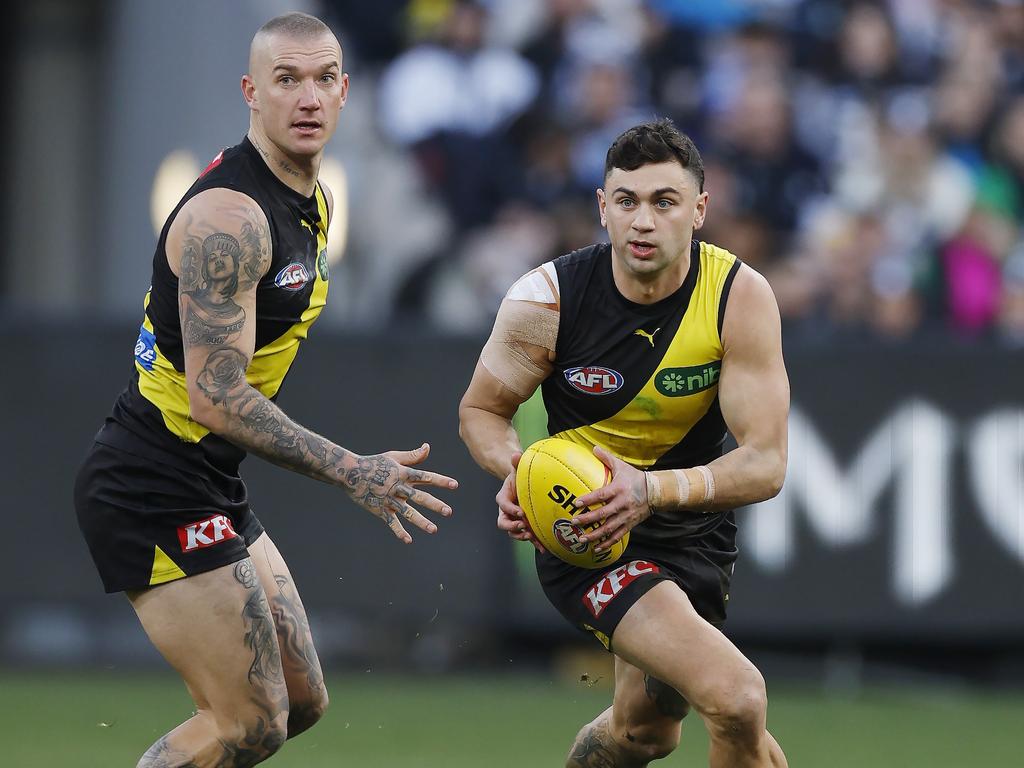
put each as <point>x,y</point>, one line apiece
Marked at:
<point>684,385</point>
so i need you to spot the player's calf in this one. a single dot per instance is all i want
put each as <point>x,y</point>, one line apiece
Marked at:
<point>245,740</point>
<point>600,743</point>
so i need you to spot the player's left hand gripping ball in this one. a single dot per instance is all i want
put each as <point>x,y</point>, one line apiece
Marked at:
<point>551,475</point>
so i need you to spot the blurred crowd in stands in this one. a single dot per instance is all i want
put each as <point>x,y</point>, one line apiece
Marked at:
<point>867,157</point>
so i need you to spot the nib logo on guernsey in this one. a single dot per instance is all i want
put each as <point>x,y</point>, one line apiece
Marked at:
<point>205,533</point>
<point>613,582</point>
<point>679,382</point>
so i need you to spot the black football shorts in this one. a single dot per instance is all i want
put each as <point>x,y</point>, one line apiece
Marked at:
<point>148,522</point>
<point>596,600</point>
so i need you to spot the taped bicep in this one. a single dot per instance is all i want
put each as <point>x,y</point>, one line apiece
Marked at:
<point>521,349</point>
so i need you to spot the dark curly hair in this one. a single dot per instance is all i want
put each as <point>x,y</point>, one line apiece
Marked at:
<point>657,141</point>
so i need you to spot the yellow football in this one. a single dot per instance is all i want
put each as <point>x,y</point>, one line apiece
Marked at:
<point>551,475</point>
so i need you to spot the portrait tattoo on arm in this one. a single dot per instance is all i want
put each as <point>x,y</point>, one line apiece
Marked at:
<point>208,284</point>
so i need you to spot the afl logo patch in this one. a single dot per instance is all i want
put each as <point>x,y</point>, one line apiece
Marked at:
<point>568,534</point>
<point>595,380</point>
<point>293,277</point>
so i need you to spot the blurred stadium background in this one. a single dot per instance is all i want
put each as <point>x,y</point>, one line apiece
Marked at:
<point>867,157</point>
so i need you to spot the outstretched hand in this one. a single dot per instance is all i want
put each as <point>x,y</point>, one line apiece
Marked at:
<point>624,501</point>
<point>384,484</point>
<point>511,517</point>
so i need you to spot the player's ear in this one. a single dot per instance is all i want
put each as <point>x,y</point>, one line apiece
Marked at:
<point>700,210</point>
<point>601,203</point>
<point>248,90</point>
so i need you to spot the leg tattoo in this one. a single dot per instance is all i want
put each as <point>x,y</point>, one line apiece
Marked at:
<point>294,636</point>
<point>259,631</point>
<point>595,747</point>
<point>163,755</point>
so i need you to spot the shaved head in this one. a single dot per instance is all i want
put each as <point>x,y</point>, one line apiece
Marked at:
<point>296,25</point>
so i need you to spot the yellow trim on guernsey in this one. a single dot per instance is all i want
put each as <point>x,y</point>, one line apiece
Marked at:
<point>653,422</point>
<point>164,569</point>
<point>165,387</point>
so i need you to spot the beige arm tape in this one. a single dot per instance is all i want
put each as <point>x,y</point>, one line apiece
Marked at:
<point>506,356</point>
<point>692,488</point>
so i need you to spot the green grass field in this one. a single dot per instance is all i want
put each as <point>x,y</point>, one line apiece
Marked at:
<point>376,721</point>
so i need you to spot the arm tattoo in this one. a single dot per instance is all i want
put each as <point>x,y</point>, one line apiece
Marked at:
<point>256,242</point>
<point>223,373</point>
<point>208,284</point>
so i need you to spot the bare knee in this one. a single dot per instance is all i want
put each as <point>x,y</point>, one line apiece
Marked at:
<point>253,737</point>
<point>305,713</point>
<point>738,710</point>
<point>652,741</point>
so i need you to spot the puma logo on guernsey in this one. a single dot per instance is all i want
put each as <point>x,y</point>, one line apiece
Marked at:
<point>646,335</point>
<point>308,226</point>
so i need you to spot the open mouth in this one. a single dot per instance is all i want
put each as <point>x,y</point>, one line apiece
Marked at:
<point>307,126</point>
<point>641,248</point>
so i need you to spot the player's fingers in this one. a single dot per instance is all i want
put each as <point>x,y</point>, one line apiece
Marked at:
<point>409,458</point>
<point>424,499</point>
<point>599,496</point>
<point>431,478</point>
<point>602,529</point>
<point>508,507</point>
<point>611,540</point>
<point>395,524</point>
<point>507,523</point>
<point>597,515</point>
<point>413,516</point>
<point>606,458</point>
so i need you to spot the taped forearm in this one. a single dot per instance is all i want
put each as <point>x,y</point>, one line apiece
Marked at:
<point>672,489</point>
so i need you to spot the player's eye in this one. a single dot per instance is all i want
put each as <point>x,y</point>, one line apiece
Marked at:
<point>626,202</point>
<point>286,80</point>
<point>329,78</point>
<point>663,204</point>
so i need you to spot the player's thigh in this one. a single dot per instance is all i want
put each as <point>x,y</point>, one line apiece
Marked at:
<point>664,636</point>
<point>298,655</point>
<point>216,630</point>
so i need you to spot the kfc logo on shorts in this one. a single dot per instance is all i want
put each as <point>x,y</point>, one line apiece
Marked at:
<point>613,582</point>
<point>568,534</point>
<point>205,533</point>
<point>292,277</point>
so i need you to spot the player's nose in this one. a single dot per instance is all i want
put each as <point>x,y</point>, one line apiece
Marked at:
<point>644,219</point>
<point>309,98</point>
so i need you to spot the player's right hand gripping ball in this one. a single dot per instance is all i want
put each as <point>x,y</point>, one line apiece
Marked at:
<point>552,473</point>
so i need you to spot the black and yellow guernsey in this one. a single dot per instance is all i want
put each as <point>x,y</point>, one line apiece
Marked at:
<point>151,416</point>
<point>641,380</point>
